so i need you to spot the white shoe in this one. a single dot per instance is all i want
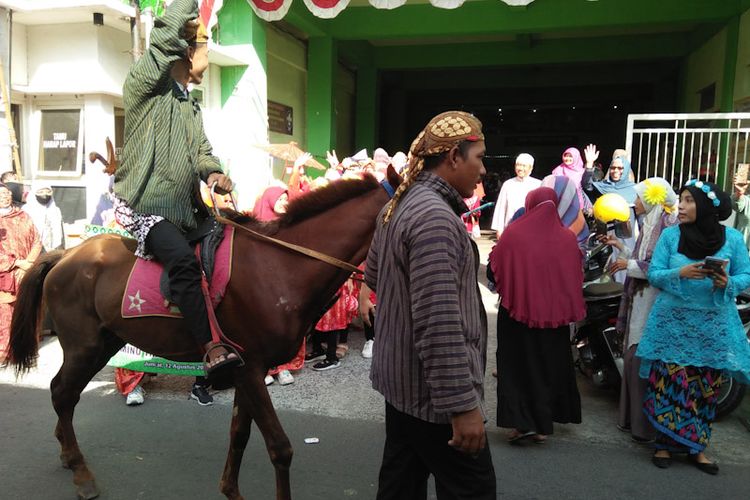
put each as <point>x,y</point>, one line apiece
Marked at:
<point>269,379</point>
<point>136,396</point>
<point>284,377</point>
<point>367,349</point>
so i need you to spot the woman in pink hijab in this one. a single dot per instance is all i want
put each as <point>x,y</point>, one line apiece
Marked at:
<point>572,167</point>
<point>272,205</point>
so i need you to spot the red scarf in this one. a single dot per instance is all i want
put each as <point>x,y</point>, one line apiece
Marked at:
<point>537,266</point>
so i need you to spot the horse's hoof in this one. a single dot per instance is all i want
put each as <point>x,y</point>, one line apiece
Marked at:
<point>88,490</point>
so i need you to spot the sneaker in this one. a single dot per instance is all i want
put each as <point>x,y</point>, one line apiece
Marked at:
<point>314,356</point>
<point>200,394</point>
<point>367,349</point>
<point>326,365</point>
<point>269,380</point>
<point>136,396</point>
<point>284,377</point>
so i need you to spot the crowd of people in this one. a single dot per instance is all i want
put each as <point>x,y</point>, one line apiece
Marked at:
<point>427,335</point>
<point>682,332</point>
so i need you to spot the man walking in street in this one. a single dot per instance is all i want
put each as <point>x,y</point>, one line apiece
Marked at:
<point>430,357</point>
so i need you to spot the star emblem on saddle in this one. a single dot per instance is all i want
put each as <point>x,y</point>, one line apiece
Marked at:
<point>136,301</point>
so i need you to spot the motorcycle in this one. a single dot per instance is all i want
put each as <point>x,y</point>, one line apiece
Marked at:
<point>598,344</point>
<point>731,391</point>
<point>600,347</point>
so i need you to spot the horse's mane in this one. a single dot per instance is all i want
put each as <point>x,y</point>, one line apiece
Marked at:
<point>311,203</point>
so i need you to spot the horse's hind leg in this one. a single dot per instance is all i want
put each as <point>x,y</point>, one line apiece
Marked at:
<point>238,437</point>
<point>255,394</point>
<point>81,362</point>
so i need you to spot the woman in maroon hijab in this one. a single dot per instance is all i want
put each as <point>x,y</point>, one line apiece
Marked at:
<point>537,266</point>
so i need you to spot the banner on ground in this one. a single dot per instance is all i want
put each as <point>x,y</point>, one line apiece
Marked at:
<point>132,358</point>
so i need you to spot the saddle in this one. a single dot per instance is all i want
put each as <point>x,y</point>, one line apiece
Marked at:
<point>147,289</point>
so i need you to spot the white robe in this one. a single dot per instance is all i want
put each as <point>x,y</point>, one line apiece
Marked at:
<point>512,197</point>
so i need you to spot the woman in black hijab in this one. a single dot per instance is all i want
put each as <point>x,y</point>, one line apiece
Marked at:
<point>693,335</point>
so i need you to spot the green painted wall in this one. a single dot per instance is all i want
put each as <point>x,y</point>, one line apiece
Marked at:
<point>287,81</point>
<point>238,25</point>
<point>742,76</point>
<point>322,61</point>
<point>345,98</point>
<point>703,67</point>
<point>489,17</point>
<point>367,107</point>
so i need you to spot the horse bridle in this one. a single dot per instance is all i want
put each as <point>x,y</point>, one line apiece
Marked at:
<point>346,266</point>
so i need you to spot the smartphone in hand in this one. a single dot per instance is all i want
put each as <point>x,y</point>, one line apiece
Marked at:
<point>715,264</point>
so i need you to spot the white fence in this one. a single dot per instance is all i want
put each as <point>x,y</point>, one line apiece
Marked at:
<point>686,146</point>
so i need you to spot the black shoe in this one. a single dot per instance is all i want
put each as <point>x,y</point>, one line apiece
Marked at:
<point>661,462</point>
<point>314,356</point>
<point>640,440</point>
<point>326,365</point>
<point>200,394</point>
<point>707,467</point>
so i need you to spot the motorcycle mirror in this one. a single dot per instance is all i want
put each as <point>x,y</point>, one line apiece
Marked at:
<point>623,229</point>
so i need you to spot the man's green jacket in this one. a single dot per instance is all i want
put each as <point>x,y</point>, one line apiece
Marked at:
<point>165,149</point>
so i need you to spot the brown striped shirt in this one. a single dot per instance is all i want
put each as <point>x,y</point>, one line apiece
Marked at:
<point>430,354</point>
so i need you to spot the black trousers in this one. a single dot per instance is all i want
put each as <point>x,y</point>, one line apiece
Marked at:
<point>330,338</point>
<point>171,248</point>
<point>370,330</point>
<point>414,449</point>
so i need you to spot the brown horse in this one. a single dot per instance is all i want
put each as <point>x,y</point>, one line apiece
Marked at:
<point>272,301</point>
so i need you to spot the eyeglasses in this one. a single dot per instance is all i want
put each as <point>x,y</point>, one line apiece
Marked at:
<point>617,168</point>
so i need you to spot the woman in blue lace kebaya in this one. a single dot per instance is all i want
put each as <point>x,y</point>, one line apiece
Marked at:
<point>693,335</point>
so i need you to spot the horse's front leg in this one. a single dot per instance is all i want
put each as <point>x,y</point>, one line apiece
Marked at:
<point>238,436</point>
<point>279,448</point>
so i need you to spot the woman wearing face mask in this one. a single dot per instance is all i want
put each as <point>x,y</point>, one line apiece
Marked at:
<point>693,335</point>
<point>19,248</point>
<point>657,202</point>
<point>46,215</point>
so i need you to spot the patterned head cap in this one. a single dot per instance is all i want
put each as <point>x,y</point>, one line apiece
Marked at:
<point>445,131</point>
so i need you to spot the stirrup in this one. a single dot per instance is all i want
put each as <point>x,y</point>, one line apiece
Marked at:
<point>229,362</point>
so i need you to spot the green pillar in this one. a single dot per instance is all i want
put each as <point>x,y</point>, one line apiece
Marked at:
<point>727,91</point>
<point>322,59</point>
<point>367,108</point>
<point>238,25</point>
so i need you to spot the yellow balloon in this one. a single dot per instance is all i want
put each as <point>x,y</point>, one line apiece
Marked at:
<point>611,206</point>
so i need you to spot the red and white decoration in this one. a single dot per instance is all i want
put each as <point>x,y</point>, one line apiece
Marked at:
<point>207,12</point>
<point>270,10</point>
<point>326,9</point>
<point>517,3</point>
<point>447,4</point>
<point>387,4</point>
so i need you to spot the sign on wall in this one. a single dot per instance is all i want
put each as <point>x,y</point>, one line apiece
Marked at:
<point>59,144</point>
<point>280,118</point>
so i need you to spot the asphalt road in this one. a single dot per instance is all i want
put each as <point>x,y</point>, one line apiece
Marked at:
<point>171,448</point>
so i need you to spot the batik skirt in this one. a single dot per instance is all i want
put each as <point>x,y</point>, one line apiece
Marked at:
<point>680,403</point>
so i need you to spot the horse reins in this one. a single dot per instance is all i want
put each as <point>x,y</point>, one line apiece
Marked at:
<point>346,266</point>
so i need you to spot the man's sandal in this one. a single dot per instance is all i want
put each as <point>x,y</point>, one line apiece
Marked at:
<point>220,374</point>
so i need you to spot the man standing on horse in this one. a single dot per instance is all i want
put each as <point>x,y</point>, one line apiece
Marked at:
<point>430,357</point>
<point>165,153</point>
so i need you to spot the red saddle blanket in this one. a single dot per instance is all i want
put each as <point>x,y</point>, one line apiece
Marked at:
<point>143,297</point>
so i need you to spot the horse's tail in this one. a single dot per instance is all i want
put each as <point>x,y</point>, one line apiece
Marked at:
<point>24,339</point>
